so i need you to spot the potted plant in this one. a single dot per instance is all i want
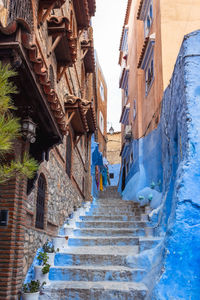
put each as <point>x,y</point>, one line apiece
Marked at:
<point>42,270</point>
<point>50,250</point>
<point>31,290</point>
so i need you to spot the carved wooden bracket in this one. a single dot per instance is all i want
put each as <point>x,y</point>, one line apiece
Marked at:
<point>45,8</point>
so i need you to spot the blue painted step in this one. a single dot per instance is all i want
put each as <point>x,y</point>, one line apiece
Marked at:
<point>96,273</point>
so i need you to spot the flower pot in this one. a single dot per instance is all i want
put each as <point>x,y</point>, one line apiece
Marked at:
<point>50,260</point>
<point>40,276</point>
<point>30,296</point>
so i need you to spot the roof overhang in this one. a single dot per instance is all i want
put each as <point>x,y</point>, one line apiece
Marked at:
<point>142,10</point>
<point>47,3</point>
<point>35,92</point>
<point>92,7</point>
<point>88,49</point>
<point>66,49</point>
<point>83,119</point>
<point>82,12</point>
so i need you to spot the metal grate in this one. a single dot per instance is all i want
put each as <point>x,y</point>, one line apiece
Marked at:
<point>69,156</point>
<point>21,9</point>
<point>40,203</point>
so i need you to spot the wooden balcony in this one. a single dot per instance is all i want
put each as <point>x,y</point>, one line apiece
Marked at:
<point>64,44</point>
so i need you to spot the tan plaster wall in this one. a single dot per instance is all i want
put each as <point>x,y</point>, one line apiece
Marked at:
<point>114,148</point>
<point>101,106</point>
<point>147,106</point>
<point>178,18</point>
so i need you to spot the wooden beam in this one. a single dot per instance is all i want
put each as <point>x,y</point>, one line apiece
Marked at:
<point>60,75</point>
<point>46,14</point>
<point>76,142</point>
<point>70,118</point>
<point>77,76</point>
<point>68,84</point>
<point>55,43</point>
<point>84,54</point>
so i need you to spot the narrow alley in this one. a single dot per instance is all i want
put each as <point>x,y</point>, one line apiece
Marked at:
<point>99,149</point>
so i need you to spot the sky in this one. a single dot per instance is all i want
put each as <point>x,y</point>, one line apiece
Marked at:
<point>107,25</point>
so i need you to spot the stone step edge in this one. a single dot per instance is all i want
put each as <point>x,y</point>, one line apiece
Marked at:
<point>98,285</point>
<point>110,221</point>
<point>111,228</point>
<point>98,268</point>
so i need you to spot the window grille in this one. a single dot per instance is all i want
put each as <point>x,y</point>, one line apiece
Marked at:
<point>21,9</point>
<point>69,156</point>
<point>40,202</point>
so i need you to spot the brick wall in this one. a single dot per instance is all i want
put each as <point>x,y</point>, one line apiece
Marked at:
<point>20,239</point>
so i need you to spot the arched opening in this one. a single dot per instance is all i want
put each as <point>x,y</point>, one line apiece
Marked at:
<point>40,205</point>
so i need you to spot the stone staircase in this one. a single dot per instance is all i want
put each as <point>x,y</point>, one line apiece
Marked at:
<point>93,265</point>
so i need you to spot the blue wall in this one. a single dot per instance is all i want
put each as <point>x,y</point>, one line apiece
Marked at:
<point>180,217</point>
<point>146,167</point>
<point>115,169</point>
<point>171,153</point>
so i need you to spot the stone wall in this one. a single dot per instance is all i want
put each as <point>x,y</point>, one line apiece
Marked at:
<point>62,193</point>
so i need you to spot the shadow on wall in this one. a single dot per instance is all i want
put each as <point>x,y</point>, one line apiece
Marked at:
<point>173,159</point>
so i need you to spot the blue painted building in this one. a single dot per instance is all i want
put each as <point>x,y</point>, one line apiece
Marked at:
<point>169,159</point>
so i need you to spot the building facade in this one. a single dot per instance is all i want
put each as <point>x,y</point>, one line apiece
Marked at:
<point>50,45</point>
<point>101,108</point>
<point>114,148</point>
<point>151,38</point>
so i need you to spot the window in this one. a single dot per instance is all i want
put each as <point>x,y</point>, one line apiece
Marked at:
<point>148,19</point>
<point>126,94</point>
<point>102,91</point>
<point>111,175</point>
<point>68,155</point>
<point>124,46</point>
<point>101,122</point>
<point>149,74</point>
<point>39,223</point>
